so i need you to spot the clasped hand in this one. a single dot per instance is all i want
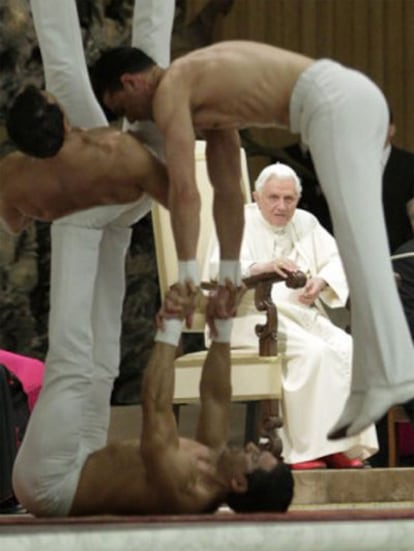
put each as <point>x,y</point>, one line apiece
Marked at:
<point>182,299</point>
<point>222,303</point>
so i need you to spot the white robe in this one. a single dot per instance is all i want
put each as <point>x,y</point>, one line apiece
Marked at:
<point>318,354</point>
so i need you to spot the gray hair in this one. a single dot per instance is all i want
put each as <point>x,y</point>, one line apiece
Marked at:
<point>281,171</point>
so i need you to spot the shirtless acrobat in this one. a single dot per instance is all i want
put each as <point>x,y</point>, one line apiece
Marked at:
<point>74,170</point>
<point>56,475</point>
<point>343,118</point>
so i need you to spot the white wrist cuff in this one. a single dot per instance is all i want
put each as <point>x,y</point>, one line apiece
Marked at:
<point>230,269</point>
<point>188,269</point>
<point>223,328</point>
<point>171,333</point>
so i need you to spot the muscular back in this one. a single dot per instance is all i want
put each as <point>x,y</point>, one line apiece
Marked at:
<point>94,167</point>
<point>232,84</point>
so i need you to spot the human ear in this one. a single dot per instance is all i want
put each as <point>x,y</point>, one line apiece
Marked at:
<point>239,484</point>
<point>128,80</point>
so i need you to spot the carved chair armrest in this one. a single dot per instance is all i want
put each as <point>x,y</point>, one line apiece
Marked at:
<point>262,283</point>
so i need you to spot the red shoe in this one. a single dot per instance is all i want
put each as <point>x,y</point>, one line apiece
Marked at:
<point>341,461</point>
<point>309,465</point>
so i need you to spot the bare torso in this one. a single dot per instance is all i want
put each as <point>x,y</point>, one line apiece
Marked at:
<point>235,84</point>
<point>115,480</point>
<point>95,167</point>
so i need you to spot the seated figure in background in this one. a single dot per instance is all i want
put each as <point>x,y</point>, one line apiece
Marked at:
<point>318,353</point>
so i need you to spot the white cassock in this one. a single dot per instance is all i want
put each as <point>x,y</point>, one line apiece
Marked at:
<point>317,372</point>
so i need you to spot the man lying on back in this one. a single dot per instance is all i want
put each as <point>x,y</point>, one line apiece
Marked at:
<point>56,475</point>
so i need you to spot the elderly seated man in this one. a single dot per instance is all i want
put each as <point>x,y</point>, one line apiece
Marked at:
<point>317,372</point>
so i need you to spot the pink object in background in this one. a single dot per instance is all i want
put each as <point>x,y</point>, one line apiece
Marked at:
<point>28,370</point>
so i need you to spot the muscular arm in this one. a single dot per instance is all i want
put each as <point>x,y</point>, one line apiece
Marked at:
<point>159,427</point>
<point>215,395</point>
<point>224,169</point>
<point>175,123</point>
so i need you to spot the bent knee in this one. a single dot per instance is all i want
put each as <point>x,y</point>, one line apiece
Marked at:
<point>43,494</point>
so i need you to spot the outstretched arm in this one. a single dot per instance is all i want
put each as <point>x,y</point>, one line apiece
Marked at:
<point>224,170</point>
<point>215,385</point>
<point>184,198</point>
<point>215,394</point>
<point>159,428</point>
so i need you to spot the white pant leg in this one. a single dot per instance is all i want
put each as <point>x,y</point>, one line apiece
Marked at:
<point>316,379</point>
<point>343,117</point>
<point>151,32</point>
<point>107,325</point>
<point>151,28</point>
<point>87,282</point>
<point>60,41</point>
<point>316,384</point>
<point>52,453</point>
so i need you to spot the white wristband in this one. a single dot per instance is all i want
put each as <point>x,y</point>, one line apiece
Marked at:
<point>230,269</point>
<point>223,328</point>
<point>171,333</point>
<point>188,269</point>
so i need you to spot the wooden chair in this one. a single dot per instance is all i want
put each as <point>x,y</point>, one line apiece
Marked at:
<point>256,377</point>
<point>395,415</point>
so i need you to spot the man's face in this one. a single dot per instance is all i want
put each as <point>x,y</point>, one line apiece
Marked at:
<point>277,200</point>
<point>130,101</point>
<point>259,459</point>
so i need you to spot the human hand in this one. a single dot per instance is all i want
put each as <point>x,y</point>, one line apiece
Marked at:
<point>311,291</point>
<point>284,266</point>
<point>180,301</point>
<point>222,303</point>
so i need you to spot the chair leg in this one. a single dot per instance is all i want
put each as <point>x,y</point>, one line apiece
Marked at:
<point>253,413</point>
<point>176,411</point>
<point>262,419</point>
<point>392,438</point>
<point>270,422</point>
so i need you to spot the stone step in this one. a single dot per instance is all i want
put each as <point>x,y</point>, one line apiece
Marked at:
<point>353,487</point>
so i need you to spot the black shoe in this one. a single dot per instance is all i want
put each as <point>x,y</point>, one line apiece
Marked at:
<point>11,506</point>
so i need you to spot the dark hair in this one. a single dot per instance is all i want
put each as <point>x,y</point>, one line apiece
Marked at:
<point>112,64</point>
<point>35,124</point>
<point>266,491</point>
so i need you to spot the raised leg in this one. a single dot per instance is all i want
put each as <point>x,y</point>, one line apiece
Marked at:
<point>346,137</point>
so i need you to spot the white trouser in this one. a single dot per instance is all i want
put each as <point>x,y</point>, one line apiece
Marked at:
<point>315,379</point>
<point>71,416</point>
<point>343,118</point>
